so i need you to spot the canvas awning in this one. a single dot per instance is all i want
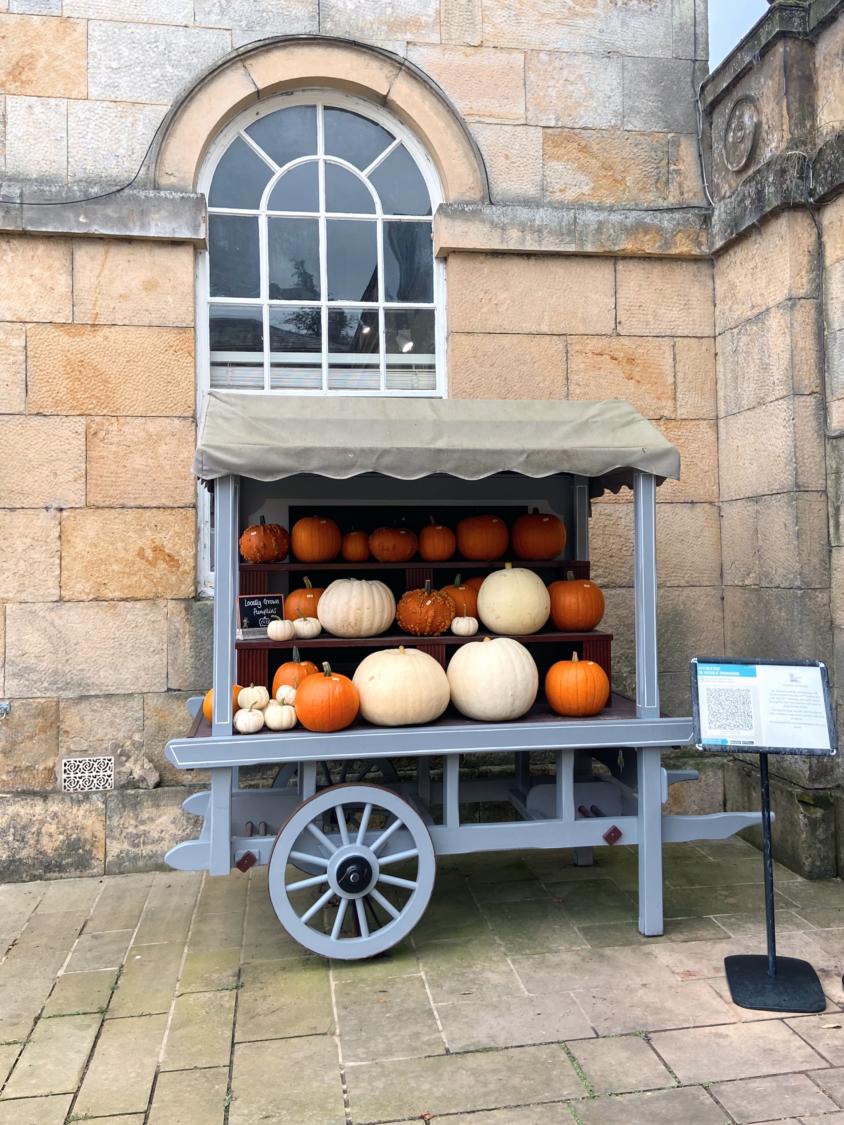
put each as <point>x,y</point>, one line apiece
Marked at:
<point>269,437</point>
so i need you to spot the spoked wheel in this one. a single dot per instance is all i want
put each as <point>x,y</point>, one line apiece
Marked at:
<point>376,868</point>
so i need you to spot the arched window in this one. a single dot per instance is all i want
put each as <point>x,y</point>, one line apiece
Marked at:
<point>320,276</point>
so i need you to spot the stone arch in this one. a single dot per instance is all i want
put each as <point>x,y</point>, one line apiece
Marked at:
<point>285,64</point>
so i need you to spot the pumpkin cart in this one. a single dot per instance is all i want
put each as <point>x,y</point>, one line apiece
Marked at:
<point>351,827</point>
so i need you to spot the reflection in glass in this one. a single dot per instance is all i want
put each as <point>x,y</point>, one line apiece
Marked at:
<point>239,178</point>
<point>400,185</point>
<point>411,349</point>
<point>408,262</point>
<point>286,134</point>
<point>352,260</point>
<point>297,190</point>
<point>233,255</point>
<point>353,350</point>
<point>295,348</point>
<point>293,252</point>
<point>354,138</point>
<point>345,192</point>
<point>236,337</point>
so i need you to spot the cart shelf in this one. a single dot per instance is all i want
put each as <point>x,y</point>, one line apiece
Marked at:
<point>454,565</point>
<point>389,640</point>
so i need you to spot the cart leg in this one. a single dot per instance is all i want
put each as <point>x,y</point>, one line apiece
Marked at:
<point>650,843</point>
<point>451,799</point>
<point>423,780</point>
<point>307,779</point>
<point>523,772</point>
<point>220,816</point>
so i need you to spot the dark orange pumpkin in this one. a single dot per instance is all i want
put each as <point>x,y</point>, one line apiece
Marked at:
<point>475,583</point>
<point>576,687</point>
<point>327,702</point>
<point>315,539</point>
<point>436,542</point>
<point>539,535</point>
<point>393,544</point>
<point>425,612</point>
<point>265,542</point>
<point>355,546</point>
<point>303,602</point>
<point>463,596</point>
<point>482,537</point>
<point>293,672</point>
<point>577,604</point>
<point>208,702</point>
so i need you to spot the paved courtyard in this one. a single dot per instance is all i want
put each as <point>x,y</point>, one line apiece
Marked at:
<point>525,997</point>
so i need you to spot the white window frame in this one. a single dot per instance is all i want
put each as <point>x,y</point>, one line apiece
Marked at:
<point>335,100</point>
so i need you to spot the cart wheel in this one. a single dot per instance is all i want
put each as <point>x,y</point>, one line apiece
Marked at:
<point>358,905</point>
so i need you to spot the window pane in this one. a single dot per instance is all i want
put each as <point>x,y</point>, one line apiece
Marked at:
<point>297,190</point>
<point>233,255</point>
<point>410,344</point>
<point>400,185</point>
<point>286,134</point>
<point>353,137</point>
<point>295,348</point>
<point>352,260</point>
<point>408,262</point>
<point>237,346</point>
<point>239,178</point>
<point>345,192</point>
<point>353,359</point>
<point>293,249</point>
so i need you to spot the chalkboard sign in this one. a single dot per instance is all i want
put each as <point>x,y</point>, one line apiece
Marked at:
<point>256,611</point>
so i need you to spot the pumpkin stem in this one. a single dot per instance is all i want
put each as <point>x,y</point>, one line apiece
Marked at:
<point>570,575</point>
<point>433,521</point>
<point>262,521</point>
<point>427,585</point>
<point>401,649</point>
<point>575,659</point>
<point>296,655</point>
<point>508,566</point>
<point>326,668</point>
<point>458,580</point>
<point>308,584</point>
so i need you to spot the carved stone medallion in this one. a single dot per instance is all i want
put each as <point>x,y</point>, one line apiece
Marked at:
<point>740,133</point>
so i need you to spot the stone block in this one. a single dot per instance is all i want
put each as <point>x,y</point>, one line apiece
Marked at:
<point>29,555</point>
<point>756,451</point>
<point>165,716</point>
<point>111,725</point>
<point>506,366</point>
<point>638,369</point>
<point>661,298</point>
<point>835,379</point>
<point>140,462</point>
<point>809,442</point>
<point>142,825</point>
<point>43,56</point>
<point>13,368</point>
<point>107,140</point>
<point>107,369</point>
<point>117,282</point>
<point>56,478</point>
<point>739,551</point>
<point>836,591</point>
<point>29,745</point>
<point>605,166</point>
<point>806,330</point>
<point>690,622</point>
<point>66,649</point>
<point>259,19</point>
<point>685,178</point>
<point>3,649</point>
<point>694,377</point>
<point>461,21</point>
<point>513,158</point>
<point>688,545</point>
<point>37,271</point>
<point>611,544</point>
<point>134,62</point>
<point>484,84</point>
<point>773,262</point>
<point>51,834</point>
<point>829,79</point>
<point>659,95</point>
<point>835,490</point>
<point>497,293</point>
<point>832,227</point>
<point>574,91</point>
<point>189,656</point>
<point>112,553</point>
<point>698,445</point>
<point>619,620</point>
<point>792,540</point>
<point>691,798</point>
<point>415,21</point>
<point>36,139</point>
<point>638,29</point>
<point>834,296</point>
<point>36,7</point>
<point>778,624</point>
<point>152,11</point>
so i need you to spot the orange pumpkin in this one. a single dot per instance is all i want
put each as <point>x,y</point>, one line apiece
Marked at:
<point>464,596</point>
<point>303,602</point>
<point>355,546</point>
<point>315,539</point>
<point>208,702</point>
<point>425,612</point>
<point>482,537</point>
<point>576,688</point>
<point>264,542</point>
<point>475,583</point>
<point>293,672</point>
<point>577,604</point>
<point>539,535</point>
<point>327,702</point>
<point>393,544</point>
<point>436,542</point>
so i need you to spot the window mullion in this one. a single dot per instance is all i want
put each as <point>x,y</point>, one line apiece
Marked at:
<point>323,252</point>
<point>264,271</point>
<point>382,357</point>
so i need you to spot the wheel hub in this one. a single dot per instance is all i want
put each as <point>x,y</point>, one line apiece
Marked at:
<point>354,874</point>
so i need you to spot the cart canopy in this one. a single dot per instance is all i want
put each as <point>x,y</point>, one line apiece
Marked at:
<point>268,437</point>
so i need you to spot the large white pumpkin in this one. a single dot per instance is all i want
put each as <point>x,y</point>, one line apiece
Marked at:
<point>353,607</point>
<point>493,679</point>
<point>401,687</point>
<point>514,601</point>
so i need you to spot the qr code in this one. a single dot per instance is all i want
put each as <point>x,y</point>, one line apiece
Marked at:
<point>730,708</point>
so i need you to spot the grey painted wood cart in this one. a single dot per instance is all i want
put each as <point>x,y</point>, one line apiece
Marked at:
<point>352,862</point>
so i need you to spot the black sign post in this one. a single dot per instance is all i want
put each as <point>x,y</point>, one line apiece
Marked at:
<point>766,707</point>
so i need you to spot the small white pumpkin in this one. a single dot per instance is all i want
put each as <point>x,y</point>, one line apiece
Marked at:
<point>279,716</point>
<point>493,680</point>
<point>286,694</point>
<point>356,607</point>
<point>401,687</point>
<point>464,626</point>
<point>252,696</point>
<point>248,720</point>
<point>514,601</point>
<point>306,627</point>
<point>279,629</point>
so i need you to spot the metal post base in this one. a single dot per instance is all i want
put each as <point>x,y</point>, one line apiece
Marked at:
<point>794,988</point>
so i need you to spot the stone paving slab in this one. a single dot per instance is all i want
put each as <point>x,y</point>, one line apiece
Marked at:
<point>751,1100</point>
<point>287,1080</point>
<point>148,980</point>
<point>708,1054</point>
<point>35,1111</point>
<point>284,999</point>
<point>190,1097</point>
<point>54,1059</point>
<point>390,1019</point>
<point>512,1021</point>
<point>621,1065</point>
<point>690,1105</point>
<point>200,1033</point>
<point>122,1070</point>
<point>103,950</point>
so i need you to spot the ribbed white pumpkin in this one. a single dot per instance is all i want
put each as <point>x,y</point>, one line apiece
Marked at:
<point>401,687</point>
<point>493,680</point>
<point>353,607</point>
<point>514,601</point>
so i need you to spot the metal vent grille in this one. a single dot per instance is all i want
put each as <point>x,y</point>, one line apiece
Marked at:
<point>87,775</point>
